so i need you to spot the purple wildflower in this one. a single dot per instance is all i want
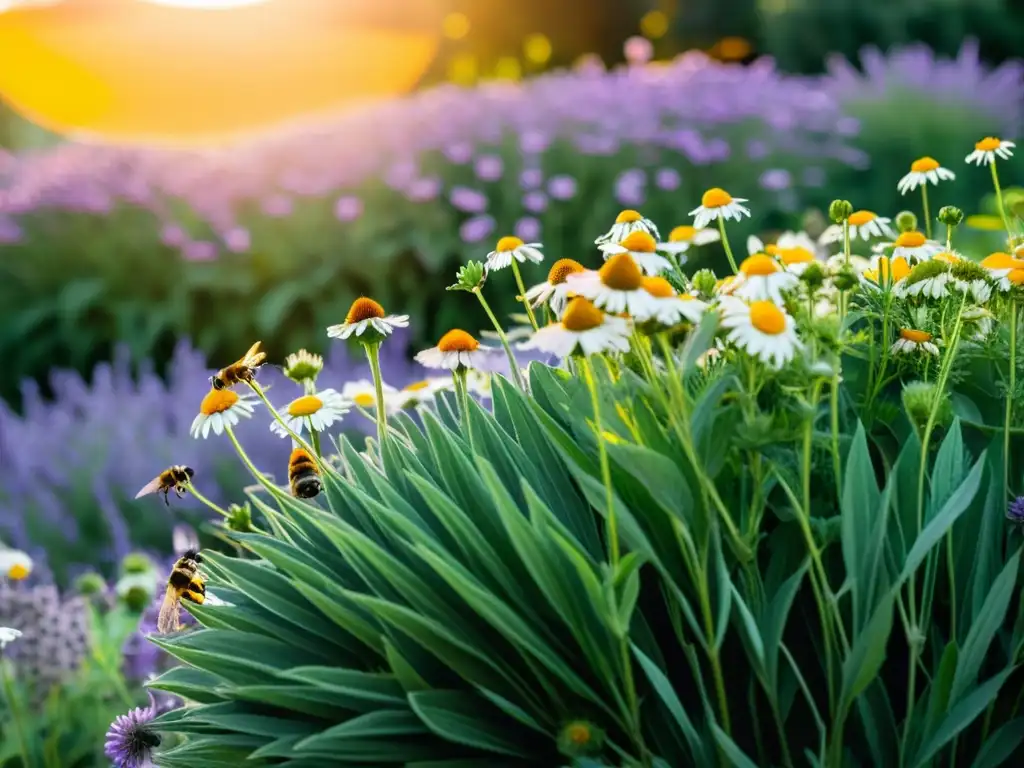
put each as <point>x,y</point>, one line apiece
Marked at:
<point>489,167</point>
<point>237,240</point>
<point>638,50</point>
<point>1016,511</point>
<point>173,236</point>
<point>775,179</point>
<point>667,179</point>
<point>10,232</point>
<point>277,206</point>
<point>424,190</point>
<point>348,208</point>
<point>527,229</point>
<point>562,187</point>
<point>535,202</point>
<point>468,200</point>
<point>629,187</point>
<point>199,250</point>
<point>130,740</point>
<point>476,229</point>
<point>531,178</point>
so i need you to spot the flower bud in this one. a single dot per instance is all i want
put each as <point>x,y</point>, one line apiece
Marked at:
<point>813,276</point>
<point>906,221</point>
<point>840,210</point>
<point>239,518</point>
<point>90,584</point>
<point>469,277</point>
<point>704,282</point>
<point>846,278</point>
<point>136,562</point>
<point>303,366</point>
<point>950,215</point>
<point>579,738</point>
<point>919,397</point>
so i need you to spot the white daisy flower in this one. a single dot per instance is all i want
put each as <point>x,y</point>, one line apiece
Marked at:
<point>924,170</point>
<point>641,246</point>
<point>795,250</point>
<point>424,391</point>
<point>362,393</point>
<point>509,248</point>
<point>988,149</point>
<point>366,316</point>
<point>585,327</point>
<point>15,564</point>
<point>303,366</point>
<point>1000,265</point>
<point>718,204</point>
<point>762,278</point>
<point>681,239</point>
<point>866,225</point>
<point>981,320</point>
<point>932,287</point>
<point>859,263</point>
<point>317,412</point>
<point>554,291</point>
<point>221,408</point>
<point>911,340</point>
<point>8,635</point>
<point>914,245</point>
<point>456,349</point>
<point>673,308</point>
<point>626,223</point>
<point>762,329</point>
<point>616,288</point>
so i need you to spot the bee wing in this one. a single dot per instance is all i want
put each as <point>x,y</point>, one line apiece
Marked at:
<point>169,619</point>
<point>184,539</point>
<point>151,487</point>
<point>254,356</point>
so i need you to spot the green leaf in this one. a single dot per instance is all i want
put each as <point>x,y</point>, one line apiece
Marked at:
<point>189,683</point>
<point>384,724</point>
<point>949,469</point>
<point>940,690</point>
<point>863,527</point>
<point>1000,746</point>
<point>666,692</point>
<point>868,652</point>
<point>736,756</point>
<point>468,719</point>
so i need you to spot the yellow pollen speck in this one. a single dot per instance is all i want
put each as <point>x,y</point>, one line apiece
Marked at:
<point>759,265</point>
<point>17,572</point>
<point>508,244</point>
<point>363,309</point>
<point>364,400</point>
<point>639,241</point>
<point>305,405</point>
<point>457,340</point>
<point>683,234</point>
<point>988,144</point>
<point>767,318</point>
<point>715,198</point>
<point>659,287</point>
<point>910,240</point>
<point>924,164</point>
<point>561,269</point>
<point>628,217</point>
<point>795,256</point>
<point>621,273</point>
<point>918,337</point>
<point>860,218</point>
<point>581,316</point>
<point>217,401</point>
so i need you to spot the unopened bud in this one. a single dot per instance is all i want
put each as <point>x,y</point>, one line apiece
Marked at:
<point>950,215</point>
<point>840,210</point>
<point>469,277</point>
<point>239,518</point>
<point>846,278</point>
<point>704,282</point>
<point>906,221</point>
<point>813,276</point>
<point>90,584</point>
<point>136,562</point>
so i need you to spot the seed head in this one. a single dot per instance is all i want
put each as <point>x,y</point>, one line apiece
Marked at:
<point>919,397</point>
<point>239,518</point>
<point>846,278</point>
<point>579,738</point>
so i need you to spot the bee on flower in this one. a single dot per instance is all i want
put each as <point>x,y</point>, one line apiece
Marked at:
<point>684,237</point>
<point>626,223</point>
<point>762,329</point>
<point>509,248</point>
<point>673,308</point>
<point>616,287</point>
<point>988,149</point>
<point>456,350</point>
<point>718,205</point>
<point>912,340</point>
<point>923,171</point>
<point>367,321</point>
<point>15,565</point>
<point>641,246</point>
<point>866,225</point>
<point>762,278</point>
<point>929,279</point>
<point>221,409</point>
<point>554,291</point>
<point>316,412</point>
<point>583,327</point>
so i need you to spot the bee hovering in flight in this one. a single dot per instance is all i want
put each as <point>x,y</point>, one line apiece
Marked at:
<point>303,475</point>
<point>184,583</point>
<point>174,478</point>
<point>242,371</point>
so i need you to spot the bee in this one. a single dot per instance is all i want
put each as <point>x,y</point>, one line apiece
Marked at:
<point>184,583</point>
<point>303,475</point>
<point>174,478</point>
<point>243,370</point>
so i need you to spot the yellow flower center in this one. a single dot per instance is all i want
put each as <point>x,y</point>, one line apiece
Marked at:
<point>924,164</point>
<point>767,318</point>
<point>860,218</point>
<point>910,240</point>
<point>918,337</point>
<point>363,309</point>
<point>620,273</point>
<point>18,571</point>
<point>628,217</point>
<point>364,400</point>
<point>639,241</point>
<point>796,255</point>
<point>946,256</point>
<point>715,198</point>
<point>578,733</point>
<point>457,340</point>
<point>217,401</point>
<point>988,144</point>
<point>1016,277</point>
<point>1001,261</point>
<point>509,244</point>
<point>306,405</point>
<point>759,264</point>
<point>416,386</point>
<point>659,287</point>
<point>561,269</point>
<point>683,234</point>
<point>581,316</point>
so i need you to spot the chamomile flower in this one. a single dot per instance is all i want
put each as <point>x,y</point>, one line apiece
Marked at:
<point>316,412</point>
<point>423,391</point>
<point>717,204</point>
<point>971,279</point>
<point>363,394</point>
<point>794,250</point>
<point>616,287</point>
<point>886,272</point>
<point>456,349</point>
<point>924,170</point>
<point>929,279</point>
<point>999,265</point>
<point>980,322</point>
<point>221,408</point>
<point>554,291</point>
<point>626,223</point>
<point>912,340</point>
<point>859,263</point>
<point>303,366</point>
<point>641,247</point>
<point>479,384</point>
<point>8,635</point>
<point>988,149</point>
<point>673,308</point>
<point>682,238</point>
<point>366,319</point>
<point>866,225</point>
<point>914,245</point>
<point>762,329</point>
<point>584,327</point>
<point>15,564</point>
<point>509,248</point>
<point>762,278</point>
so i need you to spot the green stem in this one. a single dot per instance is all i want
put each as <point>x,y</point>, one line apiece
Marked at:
<point>725,244</point>
<point>713,657</point>
<point>999,197</point>
<point>927,212</point>
<point>949,237</point>
<point>837,464</point>
<point>26,754</point>
<point>373,354</point>
<point>277,417</point>
<point>606,472</point>
<point>1008,419</point>
<point>261,478</point>
<point>516,376</point>
<point>673,259</point>
<point>216,508</point>
<point>315,437</point>
<point>522,293</point>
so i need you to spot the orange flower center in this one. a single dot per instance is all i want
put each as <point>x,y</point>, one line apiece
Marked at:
<point>900,268</point>
<point>457,340</point>
<point>509,244</point>
<point>416,386</point>
<point>988,144</point>
<point>715,198</point>
<point>910,240</point>
<point>628,217</point>
<point>562,268</point>
<point>683,234</point>
<point>759,264</point>
<point>305,405</point>
<point>946,256</point>
<point>578,733</point>
<point>620,273</point>
<point>217,401</point>
<point>1016,277</point>
<point>924,164</point>
<point>795,256</point>
<point>581,316</point>
<point>363,309</point>
<point>860,218</point>
<point>767,318</point>
<point>918,337</point>
<point>1001,261</point>
<point>659,287</point>
<point>639,241</point>
<point>18,571</point>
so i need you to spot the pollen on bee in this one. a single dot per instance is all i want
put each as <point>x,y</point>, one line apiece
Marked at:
<point>363,308</point>
<point>457,340</point>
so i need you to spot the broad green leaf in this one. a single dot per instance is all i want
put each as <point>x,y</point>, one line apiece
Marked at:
<point>355,690</point>
<point>1000,746</point>
<point>667,693</point>
<point>867,653</point>
<point>949,469</point>
<point>736,756</point>
<point>383,724</point>
<point>470,720</point>
<point>941,691</point>
<point>863,528</point>
<point>189,683</point>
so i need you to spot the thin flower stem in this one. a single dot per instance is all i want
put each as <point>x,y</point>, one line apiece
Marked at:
<point>725,244</point>
<point>1008,419</point>
<point>606,472</point>
<point>19,727</point>
<point>999,197</point>
<point>673,259</point>
<point>713,656</point>
<point>215,507</point>
<point>837,462</point>
<point>315,437</point>
<point>261,478</point>
<point>516,376</point>
<point>373,355</point>
<point>949,237</point>
<point>927,212</point>
<point>522,293</point>
<point>277,417</point>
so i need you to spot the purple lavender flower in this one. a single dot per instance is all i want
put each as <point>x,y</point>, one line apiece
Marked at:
<point>237,240</point>
<point>476,229</point>
<point>489,167</point>
<point>629,188</point>
<point>199,250</point>
<point>459,153</point>
<point>775,179</point>
<point>130,740</point>
<point>348,208</point>
<point>757,149</point>
<point>535,202</point>
<point>173,236</point>
<point>534,142</point>
<point>531,178</point>
<point>527,229</point>
<point>562,187</point>
<point>10,232</point>
<point>1016,511</point>
<point>667,179</point>
<point>468,200</point>
<point>424,190</point>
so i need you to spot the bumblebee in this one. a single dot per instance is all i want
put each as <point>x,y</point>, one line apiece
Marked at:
<point>184,583</point>
<point>303,475</point>
<point>174,478</point>
<point>242,371</point>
